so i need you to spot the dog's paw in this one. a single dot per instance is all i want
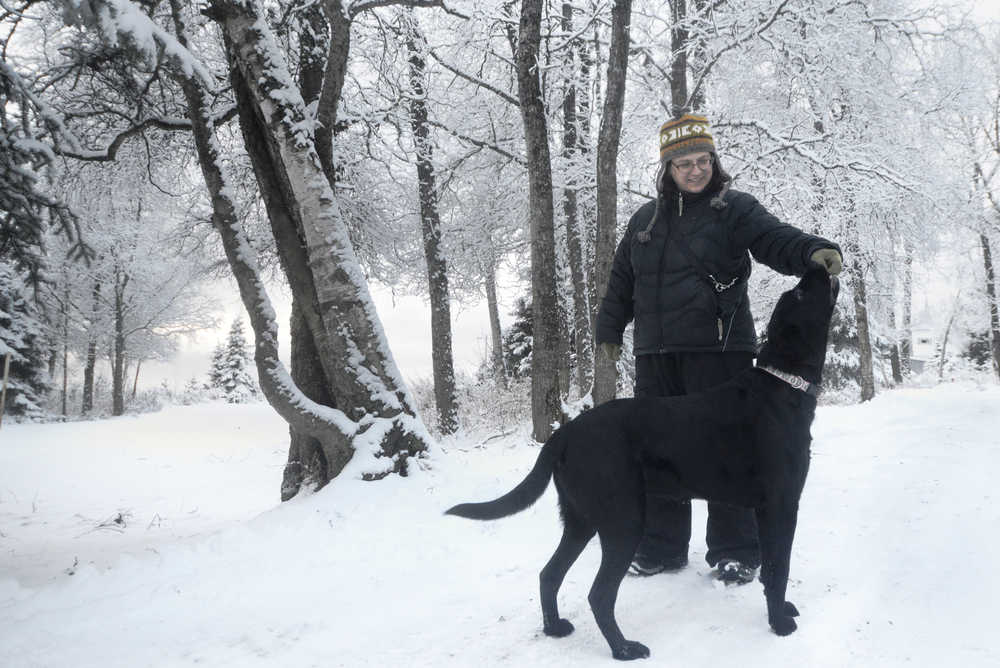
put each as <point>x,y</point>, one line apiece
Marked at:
<point>790,609</point>
<point>559,629</point>
<point>783,625</point>
<point>629,650</point>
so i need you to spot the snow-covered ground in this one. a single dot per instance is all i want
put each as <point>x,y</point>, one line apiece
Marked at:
<point>159,541</point>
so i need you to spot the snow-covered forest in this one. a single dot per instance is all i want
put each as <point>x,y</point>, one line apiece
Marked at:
<point>465,152</point>
<point>158,155</point>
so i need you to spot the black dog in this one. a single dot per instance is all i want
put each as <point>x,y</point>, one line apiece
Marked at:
<point>745,443</point>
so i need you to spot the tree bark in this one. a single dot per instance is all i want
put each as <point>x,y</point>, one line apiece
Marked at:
<point>698,60</point>
<point>118,352</point>
<point>430,223</point>
<point>679,64</point>
<point>605,372</point>
<point>88,369</point>
<point>866,373</point>
<point>991,295</point>
<point>906,342</point>
<point>307,461</point>
<point>65,353</point>
<point>943,352</point>
<point>897,371</point>
<point>574,240</point>
<point>346,323</point>
<point>382,418</point>
<point>546,407</point>
<point>496,336</point>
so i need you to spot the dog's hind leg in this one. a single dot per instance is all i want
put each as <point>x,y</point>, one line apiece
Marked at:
<point>617,548</point>
<point>576,535</point>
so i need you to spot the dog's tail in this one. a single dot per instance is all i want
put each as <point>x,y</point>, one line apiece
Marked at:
<point>527,491</point>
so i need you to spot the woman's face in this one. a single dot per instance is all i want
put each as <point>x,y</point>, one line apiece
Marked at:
<point>692,172</point>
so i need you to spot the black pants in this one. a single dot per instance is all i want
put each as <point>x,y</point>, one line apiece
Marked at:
<point>731,531</point>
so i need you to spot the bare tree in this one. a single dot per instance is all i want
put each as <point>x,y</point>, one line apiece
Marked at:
<point>546,407</point>
<point>605,375</point>
<point>437,267</point>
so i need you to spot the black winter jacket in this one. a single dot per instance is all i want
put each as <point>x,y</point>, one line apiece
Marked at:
<point>672,301</point>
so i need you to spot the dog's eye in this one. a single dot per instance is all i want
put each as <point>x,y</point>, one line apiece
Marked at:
<point>799,294</point>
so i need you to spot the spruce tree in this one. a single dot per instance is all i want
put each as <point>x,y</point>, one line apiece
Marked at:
<point>216,371</point>
<point>23,336</point>
<point>518,340</point>
<point>236,383</point>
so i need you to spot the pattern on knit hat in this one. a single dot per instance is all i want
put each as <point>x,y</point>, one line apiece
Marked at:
<point>687,134</point>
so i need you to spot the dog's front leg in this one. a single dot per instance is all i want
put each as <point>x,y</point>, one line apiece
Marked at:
<point>776,527</point>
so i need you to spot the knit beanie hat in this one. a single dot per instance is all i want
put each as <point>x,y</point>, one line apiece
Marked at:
<point>687,134</point>
<point>681,136</point>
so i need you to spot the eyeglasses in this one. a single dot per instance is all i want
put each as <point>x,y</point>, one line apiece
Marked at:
<point>687,165</point>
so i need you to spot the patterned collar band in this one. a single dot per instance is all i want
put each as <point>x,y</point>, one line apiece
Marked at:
<point>799,383</point>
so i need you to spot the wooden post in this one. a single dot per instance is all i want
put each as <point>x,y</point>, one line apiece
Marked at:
<point>3,392</point>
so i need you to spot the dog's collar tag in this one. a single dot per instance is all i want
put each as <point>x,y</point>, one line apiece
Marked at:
<point>797,382</point>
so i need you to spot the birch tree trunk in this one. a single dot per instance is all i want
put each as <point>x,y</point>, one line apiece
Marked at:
<point>430,223</point>
<point>605,373</point>
<point>379,424</point>
<point>345,326</point>
<point>546,407</point>
<point>307,462</point>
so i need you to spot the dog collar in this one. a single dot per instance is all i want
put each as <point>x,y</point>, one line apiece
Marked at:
<point>799,383</point>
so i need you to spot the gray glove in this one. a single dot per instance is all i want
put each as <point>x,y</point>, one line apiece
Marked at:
<point>613,351</point>
<point>829,258</point>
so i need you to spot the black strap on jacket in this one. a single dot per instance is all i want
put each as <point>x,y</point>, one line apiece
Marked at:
<point>716,286</point>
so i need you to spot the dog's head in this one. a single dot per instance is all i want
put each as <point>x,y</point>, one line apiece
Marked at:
<point>800,324</point>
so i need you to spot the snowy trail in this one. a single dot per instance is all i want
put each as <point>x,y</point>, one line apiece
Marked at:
<point>891,565</point>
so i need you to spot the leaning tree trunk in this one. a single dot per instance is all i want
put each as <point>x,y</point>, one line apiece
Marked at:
<point>329,426</point>
<point>368,384</point>
<point>991,295</point>
<point>307,463</point>
<point>605,373</point>
<point>546,407</point>
<point>442,360</point>
<point>380,421</point>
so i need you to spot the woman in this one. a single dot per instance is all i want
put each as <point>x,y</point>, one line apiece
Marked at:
<point>681,272</point>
